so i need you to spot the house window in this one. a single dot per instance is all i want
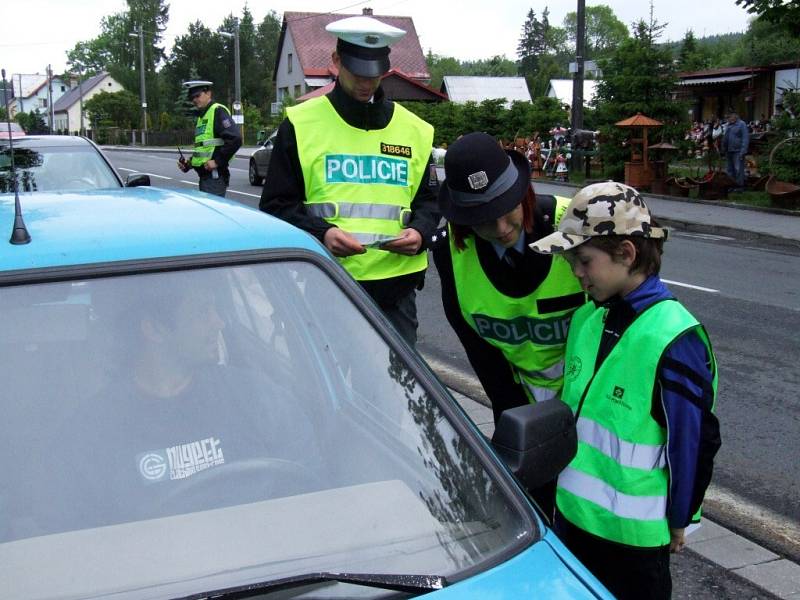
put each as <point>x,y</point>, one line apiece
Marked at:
<point>297,91</point>
<point>289,63</point>
<point>109,84</point>
<point>63,88</point>
<point>282,93</point>
<point>42,102</point>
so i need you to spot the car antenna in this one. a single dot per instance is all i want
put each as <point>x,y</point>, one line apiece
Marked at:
<point>20,233</point>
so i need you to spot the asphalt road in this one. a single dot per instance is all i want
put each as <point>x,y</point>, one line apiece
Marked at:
<point>748,297</point>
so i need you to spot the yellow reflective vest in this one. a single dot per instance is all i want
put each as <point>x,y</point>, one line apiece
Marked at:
<point>617,485</point>
<point>363,181</point>
<point>204,140</point>
<point>530,331</point>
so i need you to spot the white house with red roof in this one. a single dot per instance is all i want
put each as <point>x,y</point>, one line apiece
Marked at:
<point>304,52</point>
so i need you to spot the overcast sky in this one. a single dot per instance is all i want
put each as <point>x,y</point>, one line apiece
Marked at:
<point>38,32</point>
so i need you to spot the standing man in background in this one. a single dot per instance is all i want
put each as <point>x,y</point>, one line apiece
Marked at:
<point>216,140</point>
<point>354,169</point>
<point>734,146</point>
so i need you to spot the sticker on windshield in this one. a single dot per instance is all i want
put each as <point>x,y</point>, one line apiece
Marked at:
<point>181,461</point>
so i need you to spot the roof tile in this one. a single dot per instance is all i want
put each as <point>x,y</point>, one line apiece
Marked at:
<point>314,45</point>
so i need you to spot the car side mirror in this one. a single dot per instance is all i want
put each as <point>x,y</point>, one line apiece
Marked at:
<point>536,441</point>
<point>137,179</point>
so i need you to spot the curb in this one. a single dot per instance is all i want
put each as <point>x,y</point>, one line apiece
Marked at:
<point>718,203</point>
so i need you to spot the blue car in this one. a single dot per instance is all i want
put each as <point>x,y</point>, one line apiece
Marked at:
<point>199,402</point>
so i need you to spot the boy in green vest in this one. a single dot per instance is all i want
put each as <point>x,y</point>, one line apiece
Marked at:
<point>641,379</point>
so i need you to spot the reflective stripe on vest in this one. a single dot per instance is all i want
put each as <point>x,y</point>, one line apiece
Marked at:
<point>389,212</point>
<point>532,342</point>
<point>624,506</point>
<point>639,456</point>
<point>363,181</point>
<point>616,487</point>
<point>204,140</point>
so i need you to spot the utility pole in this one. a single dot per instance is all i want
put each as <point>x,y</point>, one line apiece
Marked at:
<point>238,117</point>
<point>80,95</point>
<point>576,119</point>
<point>50,113</point>
<point>142,91</point>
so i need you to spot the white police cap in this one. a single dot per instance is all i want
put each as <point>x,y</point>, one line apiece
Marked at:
<point>365,31</point>
<point>197,83</point>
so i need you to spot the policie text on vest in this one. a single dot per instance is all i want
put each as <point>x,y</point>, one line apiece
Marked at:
<point>545,332</point>
<point>366,169</point>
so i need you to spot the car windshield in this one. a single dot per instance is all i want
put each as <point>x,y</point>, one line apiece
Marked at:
<point>193,430</point>
<point>55,169</point>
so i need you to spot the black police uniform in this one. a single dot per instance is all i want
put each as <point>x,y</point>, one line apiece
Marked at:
<point>284,197</point>
<point>227,130</point>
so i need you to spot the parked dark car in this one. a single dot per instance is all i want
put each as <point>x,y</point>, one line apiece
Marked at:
<point>60,163</point>
<point>259,161</point>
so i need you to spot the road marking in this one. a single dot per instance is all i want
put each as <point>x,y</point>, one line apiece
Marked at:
<point>244,193</point>
<point>189,182</point>
<point>690,286</point>
<point>150,174</point>
<point>705,236</point>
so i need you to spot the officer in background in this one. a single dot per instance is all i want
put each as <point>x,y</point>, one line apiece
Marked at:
<point>216,140</point>
<point>354,169</point>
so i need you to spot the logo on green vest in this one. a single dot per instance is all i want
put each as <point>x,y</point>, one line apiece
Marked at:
<point>545,332</point>
<point>618,392</point>
<point>573,368</point>
<point>365,169</point>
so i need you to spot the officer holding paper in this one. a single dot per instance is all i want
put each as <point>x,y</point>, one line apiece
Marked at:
<point>354,169</point>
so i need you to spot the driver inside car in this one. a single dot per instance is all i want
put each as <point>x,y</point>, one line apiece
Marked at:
<point>177,430</point>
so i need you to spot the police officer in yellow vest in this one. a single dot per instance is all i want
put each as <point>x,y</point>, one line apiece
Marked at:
<point>353,169</point>
<point>216,140</point>
<point>510,309</point>
<point>509,306</point>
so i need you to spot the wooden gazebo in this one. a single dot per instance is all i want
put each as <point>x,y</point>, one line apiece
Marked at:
<point>639,172</point>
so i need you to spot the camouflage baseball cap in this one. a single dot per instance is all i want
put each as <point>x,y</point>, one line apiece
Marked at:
<point>607,208</point>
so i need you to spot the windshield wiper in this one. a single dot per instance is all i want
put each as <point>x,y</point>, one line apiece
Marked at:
<point>410,584</point>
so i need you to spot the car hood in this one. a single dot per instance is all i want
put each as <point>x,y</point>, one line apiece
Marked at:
<point>136,223</point>
<point>544,570</point>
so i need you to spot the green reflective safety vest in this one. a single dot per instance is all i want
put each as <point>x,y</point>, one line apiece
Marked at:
<point>532,340</point>
<point>204,140</point>
<point>363,181</point>
<point>617,485</point>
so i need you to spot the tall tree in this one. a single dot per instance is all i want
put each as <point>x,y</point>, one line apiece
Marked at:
<point>764,43</point>
<point>541,52</point>
<point>266,48</point>
<point>691,56</point>
<point>638,76</point>
<point>785,13</point>
<point>527,51</point>
<point>116,52</point>
<point>604,31</point>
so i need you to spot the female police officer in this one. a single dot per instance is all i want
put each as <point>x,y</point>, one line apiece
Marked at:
<point>509,306</point>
